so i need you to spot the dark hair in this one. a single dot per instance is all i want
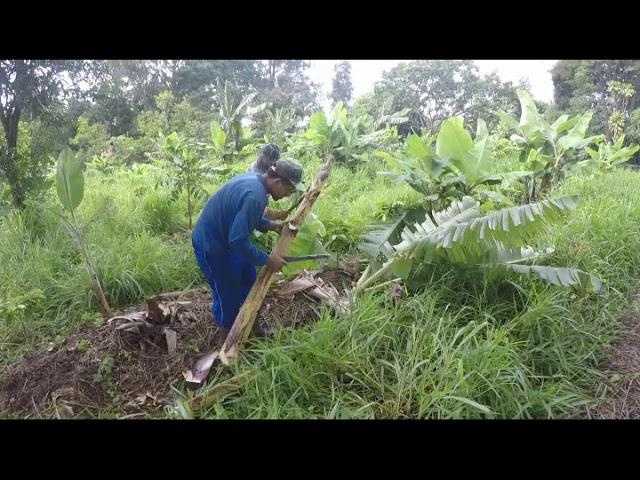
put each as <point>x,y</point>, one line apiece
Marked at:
<point>271,152</point>
<point>268,157</point>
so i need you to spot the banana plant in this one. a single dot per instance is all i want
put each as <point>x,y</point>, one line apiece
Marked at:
<point>463,234</point>
<point>396,118</point>
<point>457,166</point>
<point>470,160</point>
<point>609,155</point>
<point>279,125</point>
<point>70,189</point>
<point>419,167</point>
<point>548,150</point>
<point>224,150</point>
<point>345,137</point>
<point>233,110</point>
<point>103,163</point>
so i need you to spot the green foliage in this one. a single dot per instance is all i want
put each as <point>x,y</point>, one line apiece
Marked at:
<point>91,139</point>
<point>103,163</point>
<point>188,171</point>
<point>285,84</point>
<point>306,242</point>
<point>223,149</point>
<point>452,348</point>
<point>233,109</point>
<point>160,214</point>
<point>587,84</point>
<point>346,137</point>
<point>456,167</point>
<point>548,150</point>
<point>433,90</point>
<point>26,169</point>
<point>279,126</point>
<point>69,180</point>
<point>70,189</point>
<point>609,155</point>
<point>13,310</point>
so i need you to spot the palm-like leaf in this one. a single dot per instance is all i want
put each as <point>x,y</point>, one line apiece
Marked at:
<point>462,234</point>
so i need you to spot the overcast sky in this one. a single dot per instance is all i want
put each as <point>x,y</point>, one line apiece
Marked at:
<point>364,73</point>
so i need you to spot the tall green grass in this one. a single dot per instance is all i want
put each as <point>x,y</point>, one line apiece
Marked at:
<point>134,234</point>
<point>470,345</point>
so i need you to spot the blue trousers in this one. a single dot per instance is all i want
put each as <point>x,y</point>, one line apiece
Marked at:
<point>230,277</point>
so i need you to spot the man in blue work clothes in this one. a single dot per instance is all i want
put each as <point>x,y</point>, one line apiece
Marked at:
<point>220,238</point>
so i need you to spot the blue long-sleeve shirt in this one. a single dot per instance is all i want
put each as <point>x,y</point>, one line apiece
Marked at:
<point>231,215</point>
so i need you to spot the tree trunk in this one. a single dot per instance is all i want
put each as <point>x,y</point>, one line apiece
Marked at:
<point>271,80</point>
<point>10,120</point>
<point>238,128</point>
<point>246,317</point>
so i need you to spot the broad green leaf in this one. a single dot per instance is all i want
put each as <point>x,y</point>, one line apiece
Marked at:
<point>453,141</point>
<point>560,121</point>
<point>564,123</point>
<point>508,120</point>
<point>69,179</point>
<point>401,267</point>
<point>476,161</point>
<point>372,241</point>
<point>531,121</point>
<point>482,130</point>
<point>462,234</point>
<point>453,180</point>
<point>423,156</point>
<point>318,123</point>
<point>306,242</point>
<point>595,140</point>
<point>575,137</point>
<point>418,148</point>
<point>533,155</point>
<point>593,154</point>
<point>218,137</point>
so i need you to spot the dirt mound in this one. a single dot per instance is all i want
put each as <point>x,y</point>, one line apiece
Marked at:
<point>98,371</point>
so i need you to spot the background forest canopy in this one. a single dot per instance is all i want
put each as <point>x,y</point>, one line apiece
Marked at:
<point>113,111</point>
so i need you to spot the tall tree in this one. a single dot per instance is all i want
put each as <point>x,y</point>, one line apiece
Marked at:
<point>29,87</point>
<point>196,80</point>
<point>284,86</point>
<point>433,90</point>
<point>120,89</point>
<point>585,84</point>
<point>284,83</point>
<point>342,88</point>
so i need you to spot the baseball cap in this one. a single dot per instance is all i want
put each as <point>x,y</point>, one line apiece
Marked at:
<point>290,171</point>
